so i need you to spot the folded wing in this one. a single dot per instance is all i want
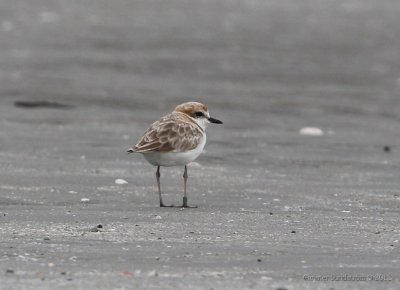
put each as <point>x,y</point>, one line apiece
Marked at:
<point>169,134</point>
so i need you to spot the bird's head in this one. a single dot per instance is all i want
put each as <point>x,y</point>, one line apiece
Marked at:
<point>198,112</point>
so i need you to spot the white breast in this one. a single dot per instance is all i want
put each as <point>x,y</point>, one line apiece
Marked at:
<point>175,158</point>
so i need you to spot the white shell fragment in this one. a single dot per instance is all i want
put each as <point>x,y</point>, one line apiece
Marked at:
<point>120,181</point>
<point>311,131</point>
<point>85,200</point>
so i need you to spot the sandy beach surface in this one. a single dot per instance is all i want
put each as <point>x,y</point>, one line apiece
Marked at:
<point>278,207</point>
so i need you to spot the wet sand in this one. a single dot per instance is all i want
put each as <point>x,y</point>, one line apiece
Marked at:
<point>79,84</point>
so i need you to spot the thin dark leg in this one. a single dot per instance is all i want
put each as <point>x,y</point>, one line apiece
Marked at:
<point>185,200</point>
<point>159,188</point>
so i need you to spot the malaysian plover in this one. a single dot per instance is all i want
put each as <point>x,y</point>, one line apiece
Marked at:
<point>176,139</point>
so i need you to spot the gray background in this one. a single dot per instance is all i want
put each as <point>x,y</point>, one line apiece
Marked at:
<point>274,205</point>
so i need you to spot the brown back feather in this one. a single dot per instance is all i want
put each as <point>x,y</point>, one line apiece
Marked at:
<point>174,132</point>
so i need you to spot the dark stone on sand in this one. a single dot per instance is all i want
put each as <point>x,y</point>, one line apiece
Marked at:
<point>41,105</point>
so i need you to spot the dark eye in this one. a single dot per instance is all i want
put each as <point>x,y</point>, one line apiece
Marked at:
<point>198,114</point>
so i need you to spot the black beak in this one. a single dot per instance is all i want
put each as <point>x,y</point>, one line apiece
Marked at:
<point>215,121</point>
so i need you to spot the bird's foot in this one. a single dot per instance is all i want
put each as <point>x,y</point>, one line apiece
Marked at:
<point>185,204</point>
<point>164,205</point>
<point>188,206</point>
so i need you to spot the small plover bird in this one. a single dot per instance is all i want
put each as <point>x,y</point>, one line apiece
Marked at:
<point>176,139</point>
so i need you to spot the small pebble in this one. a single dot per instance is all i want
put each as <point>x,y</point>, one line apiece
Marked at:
<point>293,232</point>
<point>120,181</point>
<point>259,260</point>
<point>311,131</point>
<point>386,148</point>
<point>10,271</point>
<point>99,226</point>
<point>127,274</point>
<point>46,238</point>
<point>152,273</point>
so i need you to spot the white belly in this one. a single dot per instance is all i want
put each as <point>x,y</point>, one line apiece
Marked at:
<point>174,158</point>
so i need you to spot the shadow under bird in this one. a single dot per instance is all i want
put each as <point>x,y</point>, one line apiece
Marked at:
<point>176,140</point>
